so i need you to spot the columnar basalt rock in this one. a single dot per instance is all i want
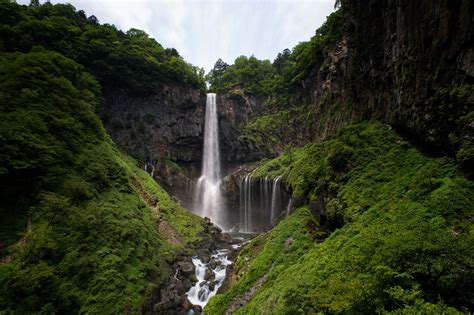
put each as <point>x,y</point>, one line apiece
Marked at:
<point>170,123</point>
<point>235,109</point>
<point>167,124</point>
<point>411,66</point>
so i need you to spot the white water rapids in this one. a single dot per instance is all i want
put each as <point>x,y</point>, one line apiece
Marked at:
<point>204,289</point>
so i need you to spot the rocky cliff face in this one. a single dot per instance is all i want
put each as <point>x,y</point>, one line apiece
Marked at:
<point>169,124</point>
<point>165,131</point>
<point>411,66</point>
<point>166,125</point>
<point>234,110</point>
<point>419,60</point>
<point>407,63</point>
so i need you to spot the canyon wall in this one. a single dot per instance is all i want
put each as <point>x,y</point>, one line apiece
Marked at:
<point>407,63</point>
<point>165,125</point>
<point>165,131</point>
<point>411,66</point>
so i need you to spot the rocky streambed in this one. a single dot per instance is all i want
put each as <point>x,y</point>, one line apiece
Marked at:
<point>210,274</point>
<point>197,276</point>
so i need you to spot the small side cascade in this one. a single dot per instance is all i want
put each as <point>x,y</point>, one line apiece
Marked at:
<point>275,198</point>
<point>149,168</point>
<point>288,207</point>
<point>262,200</point>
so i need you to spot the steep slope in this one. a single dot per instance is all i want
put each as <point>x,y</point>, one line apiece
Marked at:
<point>409,64</point>
<point>399,226</point>
<point>84,230</point>
<point>151,97</point>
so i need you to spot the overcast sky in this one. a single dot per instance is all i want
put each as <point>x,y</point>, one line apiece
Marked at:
<point>205,30</point>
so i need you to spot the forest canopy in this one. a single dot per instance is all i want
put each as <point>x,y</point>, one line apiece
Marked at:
<point>290,67</point>
<point>126,60</point>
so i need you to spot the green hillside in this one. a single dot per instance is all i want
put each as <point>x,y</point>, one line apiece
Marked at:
<point>80,221</point>
<point>385,228</point>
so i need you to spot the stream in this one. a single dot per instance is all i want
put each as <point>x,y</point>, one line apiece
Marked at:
<point>210,277</point>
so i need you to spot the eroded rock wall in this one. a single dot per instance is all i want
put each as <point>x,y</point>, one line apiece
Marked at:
<point>167,124</point>
<point>409,63</point>
<point>235,109</point>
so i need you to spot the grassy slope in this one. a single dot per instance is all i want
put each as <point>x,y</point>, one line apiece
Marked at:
<point>406,242</point>
<point>100,229</point>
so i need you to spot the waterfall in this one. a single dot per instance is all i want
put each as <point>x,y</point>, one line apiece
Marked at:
<point>288,207</point>
<point>261,202</point>
<point>207,195</point>
<point>152,173</point>
<point>275,195</point>
<point>265,196</point>
<point>245,203</point>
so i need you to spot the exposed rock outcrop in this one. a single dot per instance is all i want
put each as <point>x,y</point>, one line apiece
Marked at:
<point>411,66</point>
<point>234,109</point>
<point>168,124</point>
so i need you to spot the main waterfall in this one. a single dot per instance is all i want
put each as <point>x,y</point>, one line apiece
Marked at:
<point>207,195</point>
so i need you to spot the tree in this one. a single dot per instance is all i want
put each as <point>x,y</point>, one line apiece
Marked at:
<point>172,52</point>
<point>93,19</point>
<point>281,60</point>
<point>220,66</point>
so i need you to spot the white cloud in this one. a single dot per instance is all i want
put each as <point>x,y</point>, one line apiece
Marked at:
<point>205,30</point>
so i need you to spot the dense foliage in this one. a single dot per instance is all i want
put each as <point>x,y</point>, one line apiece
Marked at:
<point>79,218</point>
<point>285,74</point>
<point>403,234</point>
<point>132,61</point>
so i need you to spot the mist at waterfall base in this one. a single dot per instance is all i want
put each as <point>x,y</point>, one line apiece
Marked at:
<point>261,200</point>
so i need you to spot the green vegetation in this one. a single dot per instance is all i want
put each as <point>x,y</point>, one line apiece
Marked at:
<point>88,231</point>
<point>254,75</point>
<point>83,229</point>
<point>402,241</point>
<point>265,130</point>
<point>131,61</point>
<point>285,74</point>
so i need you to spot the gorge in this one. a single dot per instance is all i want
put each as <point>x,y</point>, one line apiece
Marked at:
<point>335,179</point>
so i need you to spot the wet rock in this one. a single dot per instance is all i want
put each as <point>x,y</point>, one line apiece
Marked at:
<point>186,267</point>
<point>180,287</point>
<point>205,258</point>
<point>197,309</point>
<point>210,275</point>
<point>214,263</point>
<point>193,279</point>
<point>186,304</point>
<point>212,284</point>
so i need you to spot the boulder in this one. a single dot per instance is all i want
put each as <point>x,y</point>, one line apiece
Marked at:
<point>187,268</point>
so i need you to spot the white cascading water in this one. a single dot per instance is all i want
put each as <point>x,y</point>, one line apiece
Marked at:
<point>275,195</point>
<point>261,202</point>
<point>207,194</point>
<point>152,173</point>
<point>204,289</point>
<point>288,207</point>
